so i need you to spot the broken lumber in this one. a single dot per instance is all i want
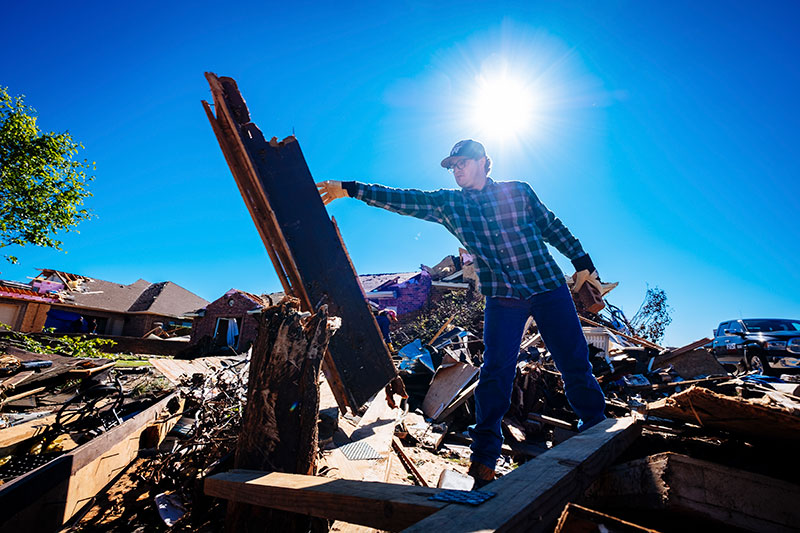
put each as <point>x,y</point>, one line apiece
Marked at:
<point>687,487</point>
<point>308,256</point>
<point>279,426</point>
<point>691,364</point>
<point>531,497</point>
<point>370,503</point>
<point>749,418</point>
<point>47,497</point>
<point>446,385</point>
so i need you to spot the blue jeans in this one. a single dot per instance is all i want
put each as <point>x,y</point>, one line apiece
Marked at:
<point>558,323</point>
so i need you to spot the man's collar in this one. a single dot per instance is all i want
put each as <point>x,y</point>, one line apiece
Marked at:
<point>489,183</point>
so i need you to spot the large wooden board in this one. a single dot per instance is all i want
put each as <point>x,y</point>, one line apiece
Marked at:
<point>446,385</point>
<point>528,499</point>
<point>379,505</point>
<point>304,247</point>
<point>531,497</point>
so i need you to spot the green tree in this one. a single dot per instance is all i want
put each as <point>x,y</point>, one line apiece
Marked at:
<point>654,315</point>
<point>42,184</point>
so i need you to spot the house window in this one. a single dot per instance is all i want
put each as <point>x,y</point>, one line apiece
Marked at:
<point>226,332</point>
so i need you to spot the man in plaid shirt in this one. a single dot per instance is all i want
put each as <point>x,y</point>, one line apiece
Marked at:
<point>505,226</point>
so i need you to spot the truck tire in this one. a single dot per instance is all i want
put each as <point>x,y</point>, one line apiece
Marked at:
<point>757,360</point>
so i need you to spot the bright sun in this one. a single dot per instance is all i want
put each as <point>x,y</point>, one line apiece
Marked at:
<point>503,107</point>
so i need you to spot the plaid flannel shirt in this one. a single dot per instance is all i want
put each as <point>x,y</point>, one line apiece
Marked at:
<point>504,225</point>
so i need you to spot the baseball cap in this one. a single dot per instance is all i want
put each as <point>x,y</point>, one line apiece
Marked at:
<point>466,148</point>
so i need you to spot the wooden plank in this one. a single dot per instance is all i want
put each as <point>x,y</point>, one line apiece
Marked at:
<point>245,175</point>
<point>85,372</point>
<point>685,487</point>
<point>447,383</point>
<point>46,498</point>
<point>578,519</point>
<point>459,400</point>
<point>317,264</point>
<point>407,462</point>
<point>15,380</point>
<point>531,497</point>
<point>15,397</point>
<point>15,434</point>
<point>749,418</point>
<point>375,504</point>
<point>689,347</point>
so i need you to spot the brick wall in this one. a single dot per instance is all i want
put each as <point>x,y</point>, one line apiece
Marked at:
<point>411,295</point>
<point>205,326</point>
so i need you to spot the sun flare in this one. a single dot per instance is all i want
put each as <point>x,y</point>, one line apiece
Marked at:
<point>503,107</point>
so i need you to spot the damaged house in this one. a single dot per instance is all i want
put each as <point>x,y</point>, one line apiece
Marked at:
<point>72,303</point>
<point>230,320</point>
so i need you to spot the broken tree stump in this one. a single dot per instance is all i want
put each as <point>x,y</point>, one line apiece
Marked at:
<point>279,426</point>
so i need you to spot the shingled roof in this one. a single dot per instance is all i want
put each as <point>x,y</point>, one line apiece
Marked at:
<point>163,298</point>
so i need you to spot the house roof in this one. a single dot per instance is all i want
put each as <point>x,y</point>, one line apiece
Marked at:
<point>373,282</point>
<point>163,298</point>
<point>166,298</point>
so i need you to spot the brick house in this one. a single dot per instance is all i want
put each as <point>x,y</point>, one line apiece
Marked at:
<point>235,313</point>
<point>23,308</point>
<point>74,303</point>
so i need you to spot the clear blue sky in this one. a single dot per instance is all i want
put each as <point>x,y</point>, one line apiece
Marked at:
<point>664,134</point>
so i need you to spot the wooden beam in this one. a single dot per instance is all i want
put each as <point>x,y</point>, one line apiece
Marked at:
<point>375,504</point>
<point>285,205</point>
<point>46,498</point>
<point>531,497</point>
<point>682,487</point>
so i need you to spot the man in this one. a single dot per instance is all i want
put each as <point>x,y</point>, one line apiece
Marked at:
<point>505,226</point>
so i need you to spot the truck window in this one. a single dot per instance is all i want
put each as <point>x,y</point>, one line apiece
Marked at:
<point>722,328</point>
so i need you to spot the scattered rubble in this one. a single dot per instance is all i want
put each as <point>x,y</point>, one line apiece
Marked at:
<point>260,441</point>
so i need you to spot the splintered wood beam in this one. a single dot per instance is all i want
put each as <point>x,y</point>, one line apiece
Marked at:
<point>307,254</point>
<point>380,505</point>
<point>748,418</point>
<point>531,497</point>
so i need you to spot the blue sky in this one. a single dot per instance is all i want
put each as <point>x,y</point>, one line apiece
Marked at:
<point>663,134</point>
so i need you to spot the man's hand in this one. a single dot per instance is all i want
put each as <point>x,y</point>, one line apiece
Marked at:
<point>593,279</point>
<point>330,190</point>
<point>584,276</point>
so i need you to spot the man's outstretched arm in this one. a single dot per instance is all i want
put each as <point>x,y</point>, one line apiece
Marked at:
<point>412,202</point>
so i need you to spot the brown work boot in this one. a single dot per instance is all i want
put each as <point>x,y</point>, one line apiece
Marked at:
<point>482,474</point>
